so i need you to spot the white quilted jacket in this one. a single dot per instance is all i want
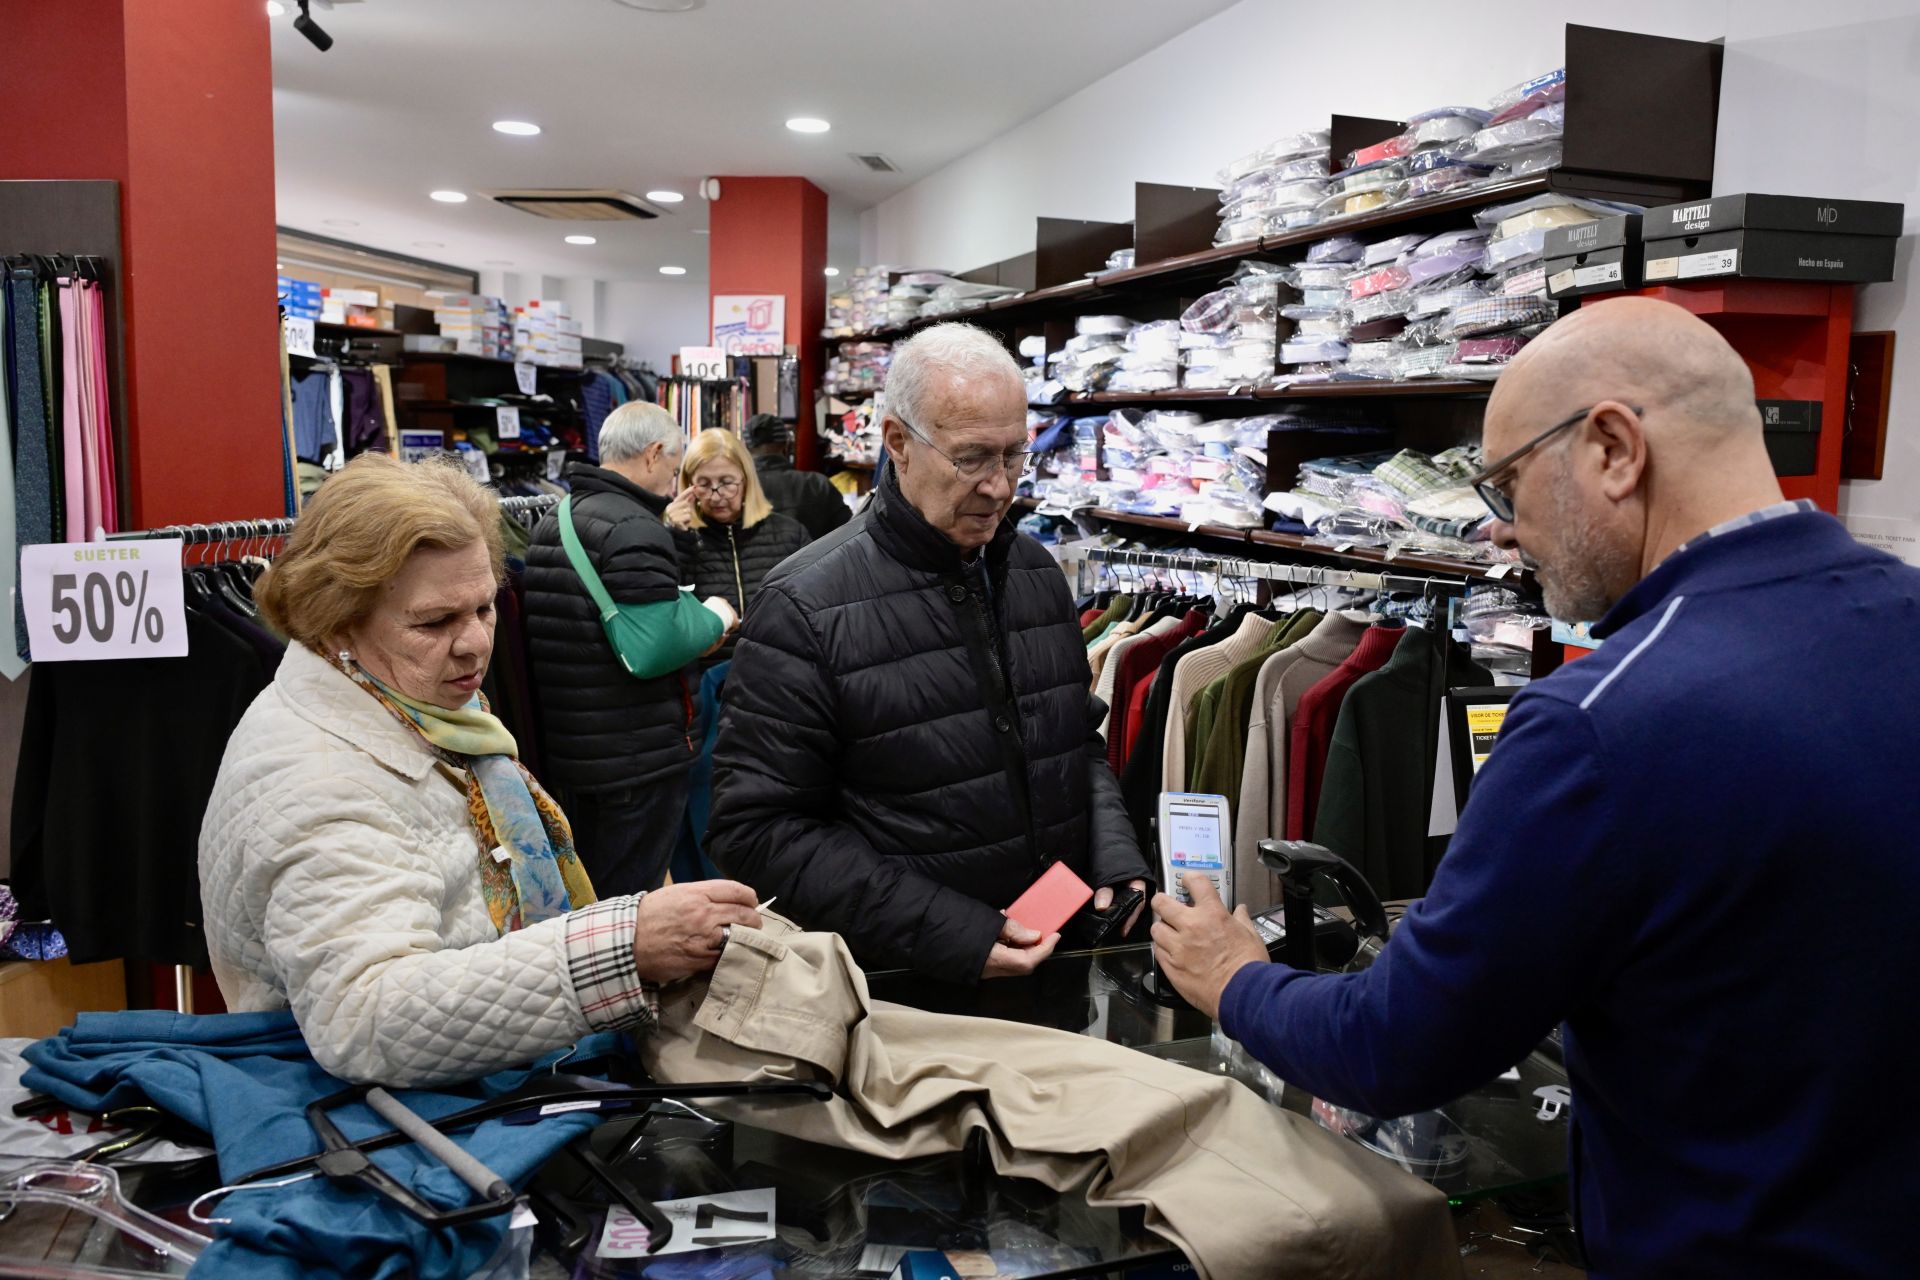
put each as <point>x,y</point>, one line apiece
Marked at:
<point>339,876</point>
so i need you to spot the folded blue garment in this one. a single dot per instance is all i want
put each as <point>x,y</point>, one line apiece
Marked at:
<point>246,1079</point>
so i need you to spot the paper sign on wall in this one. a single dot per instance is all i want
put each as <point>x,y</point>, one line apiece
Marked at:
<point>556,463</point>
<point>507,419</point>
<point>703,362</point>
<point>750,324</point>
<point>299,331</point>
<point>524,377</point>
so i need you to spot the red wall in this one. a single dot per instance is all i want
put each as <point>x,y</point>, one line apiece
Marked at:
<point>769,235</point>
<point>175,102</point>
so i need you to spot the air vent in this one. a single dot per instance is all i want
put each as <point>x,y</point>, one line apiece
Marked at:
<point>877,162</point>
<point>578,206</point>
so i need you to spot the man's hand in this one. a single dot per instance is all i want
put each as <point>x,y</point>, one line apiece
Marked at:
<point>1019,951</point>
<point>681,510</point>
<point>681,928</point>
<point>1103,899</point>
<point>1201,947</point>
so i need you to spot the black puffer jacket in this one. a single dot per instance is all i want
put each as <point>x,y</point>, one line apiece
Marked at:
<point>604,729</point>
<point>729,561</point>
<point>902,752</point>
<point>806,496</point>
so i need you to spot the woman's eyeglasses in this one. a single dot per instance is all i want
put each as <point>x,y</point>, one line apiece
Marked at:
<point>725,484</point>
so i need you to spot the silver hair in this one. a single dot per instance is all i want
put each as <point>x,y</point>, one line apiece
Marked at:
<point>953,348</point>
<point>636,426</point>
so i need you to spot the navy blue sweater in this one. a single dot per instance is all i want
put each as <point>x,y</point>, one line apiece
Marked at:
<point>1696,847</point>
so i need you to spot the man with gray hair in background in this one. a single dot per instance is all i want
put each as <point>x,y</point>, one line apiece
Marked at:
<point>908,740</point>
<point>617,727</point>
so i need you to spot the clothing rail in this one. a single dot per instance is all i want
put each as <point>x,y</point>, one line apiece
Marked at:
<point>280,526</point>
<point>1299,575</point>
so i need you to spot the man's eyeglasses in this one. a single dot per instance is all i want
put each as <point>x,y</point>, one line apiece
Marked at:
<point>1499,498</point>
<point>975,465</point>
<point>725,484</point>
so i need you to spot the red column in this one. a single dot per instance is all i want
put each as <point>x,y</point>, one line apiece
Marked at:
<point>175,102</point>
<point>769,235</point>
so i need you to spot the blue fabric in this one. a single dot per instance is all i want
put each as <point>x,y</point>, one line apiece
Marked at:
<point>1685,845</point>
<point>596,393</point>
<point>33,457</point>
<point>246,1078</point>
<point>313,435</point>
<point>690,861</point>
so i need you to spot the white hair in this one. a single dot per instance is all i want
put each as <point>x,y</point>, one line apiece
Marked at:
<point>636,426</point>
<point>952,348</point>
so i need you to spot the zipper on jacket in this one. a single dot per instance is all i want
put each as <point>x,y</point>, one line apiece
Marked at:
<point>739,584</point>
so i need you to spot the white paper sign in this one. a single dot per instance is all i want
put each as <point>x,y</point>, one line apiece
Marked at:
<point>418,446</point>
<point>750,324</point>
<point>507,419</point>
<point>700,1222</point>
<point>1892,534</point>
<point>524,376</point>
<point>89,601</point>
<point>703,362</point>
<point>556,463</point>
<point>299,336</point>
<point>477,465</point>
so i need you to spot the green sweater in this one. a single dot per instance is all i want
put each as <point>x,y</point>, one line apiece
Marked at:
<point>1221,733</point>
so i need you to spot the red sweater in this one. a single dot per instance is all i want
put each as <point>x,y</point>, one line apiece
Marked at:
<point>1311,733</point>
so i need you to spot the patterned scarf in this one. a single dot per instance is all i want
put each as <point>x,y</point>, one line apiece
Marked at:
<point>540,876</point>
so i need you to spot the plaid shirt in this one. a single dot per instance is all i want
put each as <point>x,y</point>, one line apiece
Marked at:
<point>1773,512</point>
<point>601,967</point>
<point>1411,474</point>
<point>1490,315</point>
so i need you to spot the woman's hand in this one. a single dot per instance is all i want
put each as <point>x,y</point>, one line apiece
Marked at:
<point>681,510</point>
<point>680,929</point>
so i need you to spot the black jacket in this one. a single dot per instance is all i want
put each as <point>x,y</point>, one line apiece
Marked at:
<point>902,753</point>
<point>806,496</point>
<point>605,730</point>
<point>729,560</point>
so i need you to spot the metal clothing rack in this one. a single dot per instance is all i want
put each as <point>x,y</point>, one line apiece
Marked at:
<point>1299,575</point>
<point>280,526</point>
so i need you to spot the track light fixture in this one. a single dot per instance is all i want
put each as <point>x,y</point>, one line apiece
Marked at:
<point>307,27</point>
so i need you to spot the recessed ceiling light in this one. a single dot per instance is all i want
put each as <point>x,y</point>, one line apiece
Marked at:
<point>673,271</point>
<point>581,240</point>
<point>833,271</point>
<point>808,124</point>
<point>518,128</point>
<point>275,9</point>
<point>449,197</point>
<point>665,197</point>
<point>429,244</point>
<point>338,222</point>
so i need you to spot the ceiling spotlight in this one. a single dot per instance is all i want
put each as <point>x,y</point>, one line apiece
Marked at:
<point>581,240</point>
<point>665,197</point>
<point>307,27</point>
<point>673,271</point>
<point>833,271</point>
<point>808,124</point>
<point>275,9</point>
<point>518,128</point>
<point>449,197</point>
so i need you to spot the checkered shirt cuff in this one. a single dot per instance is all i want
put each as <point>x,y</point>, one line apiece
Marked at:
<point>600,965</point>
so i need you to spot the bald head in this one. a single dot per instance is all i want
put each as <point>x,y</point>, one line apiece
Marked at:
<point>1693,384</point>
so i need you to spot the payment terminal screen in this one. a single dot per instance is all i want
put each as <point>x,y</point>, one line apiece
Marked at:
<point>1192,844</point>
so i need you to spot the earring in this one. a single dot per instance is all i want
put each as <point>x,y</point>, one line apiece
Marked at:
<point>346,656</point>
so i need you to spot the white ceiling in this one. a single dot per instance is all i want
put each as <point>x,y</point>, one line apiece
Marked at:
<point>403,105</point>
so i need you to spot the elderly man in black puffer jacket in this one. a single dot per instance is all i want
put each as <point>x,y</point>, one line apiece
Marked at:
<point>908,739</point>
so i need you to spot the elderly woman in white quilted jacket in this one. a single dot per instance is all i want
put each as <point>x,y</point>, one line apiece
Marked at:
<point>374,855</point>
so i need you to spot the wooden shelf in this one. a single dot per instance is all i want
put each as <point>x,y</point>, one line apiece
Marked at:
<point>1167,524</point>
<point>1417,388</point>
<point>448,406</point>
<point>333,330</point>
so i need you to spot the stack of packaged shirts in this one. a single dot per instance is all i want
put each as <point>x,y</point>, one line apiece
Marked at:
<point>868,291</point>
<point>1228,337</point>
<point>1177,465</point>
<point>856,367</point>
<point>1401,502</point>
<point>1151,361</point>
<point>1277,188</point>
<point>1119,260</point>
<point>839,314</point>
<point>947,294</point>
<point>1434,164</point>
<point>1091,356</point>
<point>1523,134</point>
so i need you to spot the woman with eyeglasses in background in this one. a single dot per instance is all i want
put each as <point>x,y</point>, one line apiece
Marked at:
<point>736,535</point>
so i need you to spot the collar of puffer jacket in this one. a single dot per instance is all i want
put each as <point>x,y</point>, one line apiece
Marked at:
<point>906,536</point>
<point>585,478</point>
<point>321,694</point>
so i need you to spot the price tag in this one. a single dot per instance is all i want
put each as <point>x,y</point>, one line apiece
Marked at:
<point>93,601</point>
<point>556,463</point>
<point>477,465</point>
<point>1343,548</point>
<point>1721,262</point>
<point>524,376</point>
<point>507,419</point>
<point>299,336</point>
<point>703,362</point>
<point>1500,571</point>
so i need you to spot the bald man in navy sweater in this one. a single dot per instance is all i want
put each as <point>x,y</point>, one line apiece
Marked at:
<point>1694,847</point>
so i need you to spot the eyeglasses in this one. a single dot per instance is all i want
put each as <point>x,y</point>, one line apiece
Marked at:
<point>725,484</point>
<point>1498,498</point>
<point>975,465</point>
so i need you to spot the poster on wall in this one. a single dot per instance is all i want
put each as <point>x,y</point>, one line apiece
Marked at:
<point>750,324</point>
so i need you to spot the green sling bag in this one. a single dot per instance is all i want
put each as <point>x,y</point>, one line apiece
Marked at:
<point>637,645</point>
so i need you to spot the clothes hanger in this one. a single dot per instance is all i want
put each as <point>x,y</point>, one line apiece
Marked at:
<point>94,1191</point>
